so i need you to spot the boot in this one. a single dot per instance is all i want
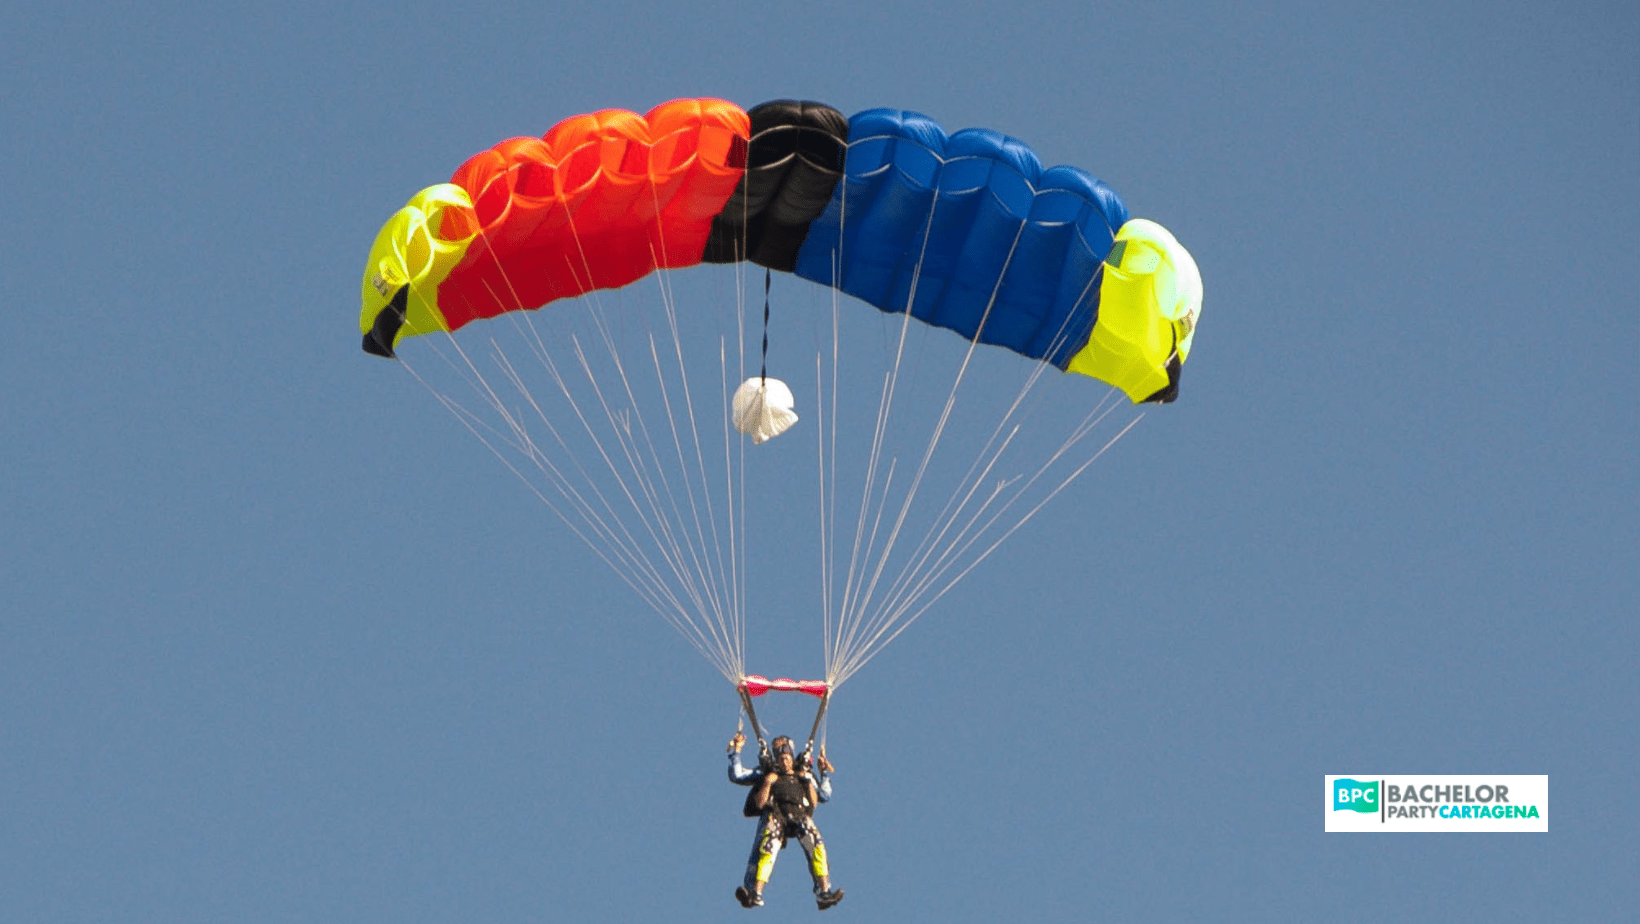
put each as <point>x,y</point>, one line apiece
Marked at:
<point>828,898</point>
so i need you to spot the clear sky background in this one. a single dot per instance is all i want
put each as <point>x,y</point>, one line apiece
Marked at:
<point>280,642</point>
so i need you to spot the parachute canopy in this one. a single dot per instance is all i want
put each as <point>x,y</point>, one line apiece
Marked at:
<point>967,231</point>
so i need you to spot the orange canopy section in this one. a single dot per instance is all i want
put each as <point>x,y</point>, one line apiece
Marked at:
<point>598,202</point>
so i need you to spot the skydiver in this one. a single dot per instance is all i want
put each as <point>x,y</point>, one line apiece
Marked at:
<point>785,796</point>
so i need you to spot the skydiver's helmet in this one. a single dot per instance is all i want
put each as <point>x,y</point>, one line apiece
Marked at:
<point>781,745</point>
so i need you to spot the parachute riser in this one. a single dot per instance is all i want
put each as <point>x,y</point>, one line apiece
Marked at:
<point>819,716</point>
<point>752,685</point>
<point>757,730</point>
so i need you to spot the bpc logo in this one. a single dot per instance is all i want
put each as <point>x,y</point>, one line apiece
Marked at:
<point>1355,796</point>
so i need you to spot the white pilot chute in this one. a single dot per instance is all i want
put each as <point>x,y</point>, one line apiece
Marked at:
<point>762,408</point>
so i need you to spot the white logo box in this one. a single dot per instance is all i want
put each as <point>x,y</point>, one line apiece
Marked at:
<point>1468,803</point>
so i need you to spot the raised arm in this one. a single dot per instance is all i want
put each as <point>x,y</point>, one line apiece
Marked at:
<point>820,777</point>
<point>739,775</point>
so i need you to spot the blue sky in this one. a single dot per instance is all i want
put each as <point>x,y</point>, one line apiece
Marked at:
<point>280,642</point>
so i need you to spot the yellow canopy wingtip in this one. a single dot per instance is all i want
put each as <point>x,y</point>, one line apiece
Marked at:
<point>410,258</point>
<point>1149,303</point>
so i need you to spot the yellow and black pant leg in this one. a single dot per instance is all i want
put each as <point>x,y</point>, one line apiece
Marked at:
<point>814,847</point>
<point>765,849</point>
